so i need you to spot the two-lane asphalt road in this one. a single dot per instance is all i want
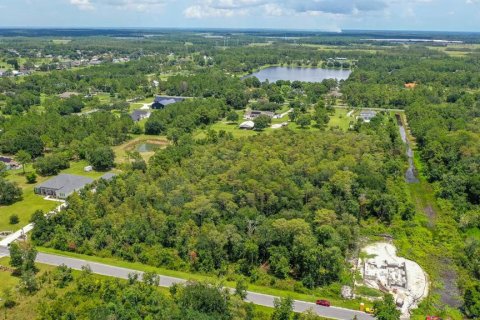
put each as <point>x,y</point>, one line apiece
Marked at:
<point>166,281</point>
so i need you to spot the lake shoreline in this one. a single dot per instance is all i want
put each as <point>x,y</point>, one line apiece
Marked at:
<point>274,73</point>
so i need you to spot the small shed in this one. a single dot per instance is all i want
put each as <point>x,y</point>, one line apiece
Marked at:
<point>88,168</point>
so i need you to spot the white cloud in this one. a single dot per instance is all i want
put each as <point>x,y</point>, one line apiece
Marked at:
<point>83,4</point>
<point>199,12</point>
<point>273,9</point>
<point>235,4</point>
<point>137,5</point>
<point>219,8</point>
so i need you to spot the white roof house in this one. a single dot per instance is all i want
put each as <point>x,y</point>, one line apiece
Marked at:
<point>367,115</point>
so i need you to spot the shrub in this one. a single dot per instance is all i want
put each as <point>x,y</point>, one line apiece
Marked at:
<point>14,219</point>
<point>31,177</point>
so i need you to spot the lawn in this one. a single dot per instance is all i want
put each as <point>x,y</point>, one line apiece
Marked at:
<point>27,206</point>
<point>338,120</point>
<point>25,308</point>
<point>138,104</point>
<point>6,278</point>
<point>32,202</point>
<point>24,209</point>
<point>78,169</point>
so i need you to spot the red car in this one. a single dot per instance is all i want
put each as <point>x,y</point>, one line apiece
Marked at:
<point>324,303</point>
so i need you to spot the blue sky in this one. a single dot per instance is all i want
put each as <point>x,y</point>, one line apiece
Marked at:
<point>331,15</point>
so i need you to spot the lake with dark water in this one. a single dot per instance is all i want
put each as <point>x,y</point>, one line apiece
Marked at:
<point>300,74</point>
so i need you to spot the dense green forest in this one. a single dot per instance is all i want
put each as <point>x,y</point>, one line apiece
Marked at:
<point>286,209</point>
<point>443,111</point>
<point>251,205</point>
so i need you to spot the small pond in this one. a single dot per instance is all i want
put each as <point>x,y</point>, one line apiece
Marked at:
<point>300,74</point>
<point>147,147</point>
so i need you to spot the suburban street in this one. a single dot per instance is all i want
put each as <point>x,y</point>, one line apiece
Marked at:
<point>166,281</point>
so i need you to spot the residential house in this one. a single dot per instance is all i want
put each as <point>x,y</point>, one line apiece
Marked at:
<point>161,102</point>
<point>250,115</point>
<point>367,115</point>
<point>62,185</point>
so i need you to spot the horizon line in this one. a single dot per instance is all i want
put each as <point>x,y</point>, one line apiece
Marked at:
<point>227,29</point>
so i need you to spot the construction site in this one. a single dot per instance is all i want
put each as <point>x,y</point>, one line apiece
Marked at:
<point>383,270</point>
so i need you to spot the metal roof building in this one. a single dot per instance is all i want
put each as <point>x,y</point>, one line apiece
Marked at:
<point>161,102</point>
<point>62,185</point>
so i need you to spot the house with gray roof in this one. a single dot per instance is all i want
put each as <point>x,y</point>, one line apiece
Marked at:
<point>62,186</point>
<point>161,102</point>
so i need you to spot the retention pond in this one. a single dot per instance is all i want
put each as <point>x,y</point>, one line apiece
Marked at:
<point>274,74</point>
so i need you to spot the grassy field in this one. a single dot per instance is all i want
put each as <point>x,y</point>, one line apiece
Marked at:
<point>27,206</point>
<point>339,49</point>
<point>26,307</point>
<point>138,104</point>
<point>61,41</point>
<point>457,50</point>
<point>77,168</point>
<point>32,202</point>
<point>338,120</point>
